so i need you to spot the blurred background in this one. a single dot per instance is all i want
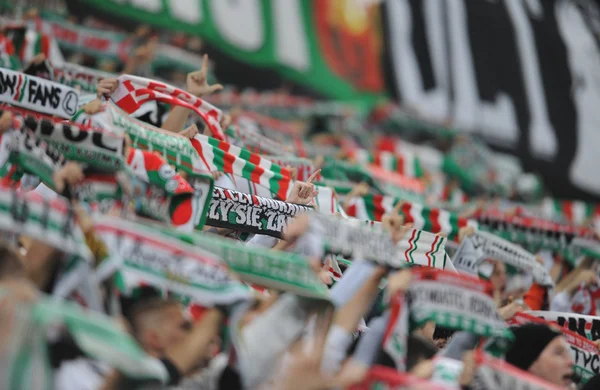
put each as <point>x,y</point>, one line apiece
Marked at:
<point>520,77</point>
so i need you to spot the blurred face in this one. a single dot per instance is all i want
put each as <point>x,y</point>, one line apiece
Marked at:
<point>174,326</point>
<point>554,363</point>
<point>164,328</point>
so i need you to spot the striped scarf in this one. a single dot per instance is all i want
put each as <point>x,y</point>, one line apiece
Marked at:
<point>441,296</point>
<point>583,325</point>
<point>134,91</point>
<point>97,148</point>
<point>407,164</point>
<point>188,201</point>
<point>354,238</point>
<point>250,213</point>
<point>76,75</point>
<point>374,207</point>
<point>144,255</point>
<point>573,211</point>
<point>271,269</point>
<point>531,231</point>
<point>304,167</point>
<point>224,157</point>
<point>37,94</point>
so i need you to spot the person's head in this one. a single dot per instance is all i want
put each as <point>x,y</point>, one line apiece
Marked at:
<point>543,351</point>
<point>158,323</point>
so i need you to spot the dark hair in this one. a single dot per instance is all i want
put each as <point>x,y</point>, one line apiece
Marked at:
<point>146,306</point>
<point>418,349</point>
<point>10,265</point>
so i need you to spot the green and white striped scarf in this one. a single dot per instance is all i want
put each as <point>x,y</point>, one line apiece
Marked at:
<point>373,243</point>
<point>99,149</point>
<point>141,254</point>
<point>435,220</point>
<point>455,301</point>
<point>271,269</point>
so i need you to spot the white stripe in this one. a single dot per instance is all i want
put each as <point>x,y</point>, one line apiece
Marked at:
<point>388,204</point>
<point>29,52</point>
<point>387,161</point>
<point>579,210</point>
<point>409,163</point>
<point>415,212</point>
<point>444,220</point>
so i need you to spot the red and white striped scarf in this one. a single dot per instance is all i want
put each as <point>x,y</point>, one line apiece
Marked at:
<point>134,91</point>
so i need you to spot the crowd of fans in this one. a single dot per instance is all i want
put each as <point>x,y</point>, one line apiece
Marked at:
<point>354,324</point>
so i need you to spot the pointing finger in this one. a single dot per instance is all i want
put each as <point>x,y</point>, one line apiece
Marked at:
<point>313,176</point>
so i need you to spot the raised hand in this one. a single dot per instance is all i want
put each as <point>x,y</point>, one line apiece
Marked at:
<point>197,82</point>
<point>190,132</point>
<point>304,192</point>
<point>394,223</point>
<point>106,87</point>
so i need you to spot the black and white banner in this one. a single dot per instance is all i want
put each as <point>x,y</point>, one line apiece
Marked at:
<point>524,75</point>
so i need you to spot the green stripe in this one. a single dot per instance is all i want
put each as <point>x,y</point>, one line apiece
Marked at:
<point>436,249</point>
<point>410,254</point>
<point>25,81</point>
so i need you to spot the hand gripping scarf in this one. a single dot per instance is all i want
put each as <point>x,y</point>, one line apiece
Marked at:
<point>37,94</point>
<point>374,243</point>
<point>583,351</point>
<point>134,91</point>
<point>142,254</point>
<point>85,78</point>
<point>454,301</point>
<point>251,213</point>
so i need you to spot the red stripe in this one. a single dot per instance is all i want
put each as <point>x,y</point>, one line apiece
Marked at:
<point>412,237</point>
<point>431,251</point>
<point>351,211</point>
<point>258,171</point>
<point>17,96</point>
<point>568,210</point>
<point>400,164</point>
<point>198,146</point>
<point>395,309</point>
<point>377,159</point>
<point>46,46</point>
<point>406,207</point>
<point>434,216</point>
<point>378,209</point>
<point>228,158</point>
